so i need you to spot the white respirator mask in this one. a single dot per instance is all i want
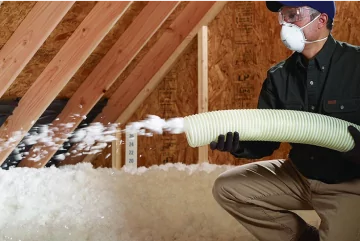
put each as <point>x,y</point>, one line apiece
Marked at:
<point>294,38</point>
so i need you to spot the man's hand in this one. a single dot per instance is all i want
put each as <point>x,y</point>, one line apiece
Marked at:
<point>231,144</point>
<point>354,154</point>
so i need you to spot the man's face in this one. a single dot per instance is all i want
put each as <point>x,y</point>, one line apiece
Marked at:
<point>300,16</point>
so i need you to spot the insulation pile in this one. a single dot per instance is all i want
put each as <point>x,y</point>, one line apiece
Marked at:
<point>167,202</point>
<point>160,203</point>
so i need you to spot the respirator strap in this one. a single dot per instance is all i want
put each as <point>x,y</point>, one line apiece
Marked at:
<point>309,42</point>
<point>314,41</point>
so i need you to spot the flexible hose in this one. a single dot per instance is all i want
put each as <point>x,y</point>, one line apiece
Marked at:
<point>270,125</point>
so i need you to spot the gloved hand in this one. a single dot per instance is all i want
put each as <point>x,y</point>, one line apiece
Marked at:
<point>231,144</point>
<point>354,154</point>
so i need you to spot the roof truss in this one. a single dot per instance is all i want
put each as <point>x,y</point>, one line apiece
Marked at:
<point>128,96</point>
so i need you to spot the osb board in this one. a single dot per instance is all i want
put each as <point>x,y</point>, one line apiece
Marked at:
<point>11,16</point>
<point>101,50</point>
<point>146,48</point>
<point>57,39</point>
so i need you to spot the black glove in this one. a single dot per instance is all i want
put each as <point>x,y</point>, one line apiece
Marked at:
<point>231,144</point>
<point>354,154</point>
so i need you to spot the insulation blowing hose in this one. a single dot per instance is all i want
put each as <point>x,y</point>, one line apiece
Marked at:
<point>270,125</point>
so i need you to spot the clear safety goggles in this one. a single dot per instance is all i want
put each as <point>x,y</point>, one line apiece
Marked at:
<point>294,14</point>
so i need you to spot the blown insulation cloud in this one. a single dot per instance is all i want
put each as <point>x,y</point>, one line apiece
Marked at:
<point>91,139</point>
<point>159,203</point>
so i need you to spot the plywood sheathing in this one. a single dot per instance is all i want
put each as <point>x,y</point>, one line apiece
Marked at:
<point>28,38</point>
<point>49,49</point>
<point>11,16</point>
<point>58,38</point>
<point>101,50</point>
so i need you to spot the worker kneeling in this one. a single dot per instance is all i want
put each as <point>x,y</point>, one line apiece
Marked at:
<point>262,195</point>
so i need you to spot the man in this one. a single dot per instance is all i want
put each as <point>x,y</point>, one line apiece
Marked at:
<point>321,76</point>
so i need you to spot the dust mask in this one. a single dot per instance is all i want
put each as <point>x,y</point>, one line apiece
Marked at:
<point>294,38</point>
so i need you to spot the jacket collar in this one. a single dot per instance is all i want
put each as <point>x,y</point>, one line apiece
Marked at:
<point>322,59</point>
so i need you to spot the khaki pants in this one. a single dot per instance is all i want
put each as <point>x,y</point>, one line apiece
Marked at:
<point>259,196</point>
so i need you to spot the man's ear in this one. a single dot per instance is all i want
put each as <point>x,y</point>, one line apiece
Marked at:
<point>322,20</point>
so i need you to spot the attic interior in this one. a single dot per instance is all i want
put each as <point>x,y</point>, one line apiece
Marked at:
<point>68,65</point>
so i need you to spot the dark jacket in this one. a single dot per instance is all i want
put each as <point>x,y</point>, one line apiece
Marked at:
<point>328,84</point>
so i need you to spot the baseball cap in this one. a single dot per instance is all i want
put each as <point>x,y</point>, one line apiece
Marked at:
<point>327,7</point>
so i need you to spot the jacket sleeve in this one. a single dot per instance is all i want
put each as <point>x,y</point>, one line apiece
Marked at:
<point>258,149</point>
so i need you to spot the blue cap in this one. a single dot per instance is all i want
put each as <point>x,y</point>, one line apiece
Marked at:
<point>327,7</point>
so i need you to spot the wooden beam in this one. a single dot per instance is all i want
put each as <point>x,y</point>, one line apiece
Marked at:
<point>155,64</point>
<point>60,70</point>
<point>155,80</point>
<point>203,82</point>
<point>116,151</point>
<point>105,74</point>
<point>28,38</point>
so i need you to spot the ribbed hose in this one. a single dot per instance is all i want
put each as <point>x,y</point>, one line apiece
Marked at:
<point>270,125</point>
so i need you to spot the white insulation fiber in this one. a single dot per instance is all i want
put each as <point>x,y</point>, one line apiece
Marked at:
<point>167,202</point>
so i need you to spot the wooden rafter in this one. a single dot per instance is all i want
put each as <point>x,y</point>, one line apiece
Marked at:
<point>28,38</point>
<point>155,64</point>
<point>203,82</point>
<point>105,73</point>
<point>60,70</point>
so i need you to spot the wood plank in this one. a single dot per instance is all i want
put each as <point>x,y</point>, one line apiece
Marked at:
<point>60,70</point>
<point>28,38</point>
<point>105,74</point>
<point>203,82</point>
<point>116,151</point>
<point>154,65</point>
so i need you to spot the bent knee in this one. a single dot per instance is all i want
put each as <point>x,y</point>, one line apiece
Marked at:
<point>218,188</point>
<point>229,186</point>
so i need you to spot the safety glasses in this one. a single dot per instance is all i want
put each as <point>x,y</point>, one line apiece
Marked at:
<point>294,14</point>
